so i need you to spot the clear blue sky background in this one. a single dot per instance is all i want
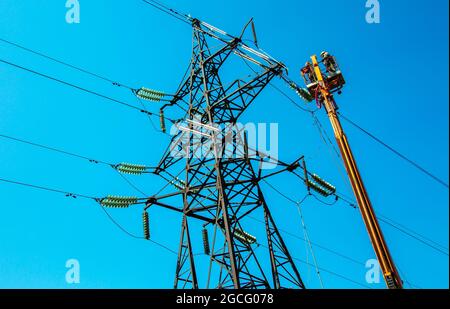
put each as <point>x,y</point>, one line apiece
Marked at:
<point>397,87</point>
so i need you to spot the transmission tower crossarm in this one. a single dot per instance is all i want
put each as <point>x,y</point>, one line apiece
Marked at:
<point>224,37</point>
<point>379,244</point>
<point>155,202</point>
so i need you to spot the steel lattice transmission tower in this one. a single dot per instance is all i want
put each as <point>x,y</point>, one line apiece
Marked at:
<point>221,187</point>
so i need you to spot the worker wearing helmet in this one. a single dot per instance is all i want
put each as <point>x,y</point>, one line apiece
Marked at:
<point>308,73</point>
<point>329,62</point>
<point>324,54</point>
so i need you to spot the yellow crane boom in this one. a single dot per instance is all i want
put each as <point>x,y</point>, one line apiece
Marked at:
<point>387,265</point>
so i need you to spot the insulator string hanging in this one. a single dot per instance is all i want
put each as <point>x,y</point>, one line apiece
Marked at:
<point>162,120</point>
<point>146,225</point>
<point>301,92</point>
<point>205,238</point>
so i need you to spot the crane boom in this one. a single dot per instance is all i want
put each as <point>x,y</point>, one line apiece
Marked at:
<point>390,273</point>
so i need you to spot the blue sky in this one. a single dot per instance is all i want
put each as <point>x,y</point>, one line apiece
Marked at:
<point>397,87</point>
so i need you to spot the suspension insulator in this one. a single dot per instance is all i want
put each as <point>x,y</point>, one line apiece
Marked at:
<point>304,94</point>
<point>244,237</point>
<point>132,169</point>
<point>301,92</point>
<point>324,184</point>
<point>150,94</point>
<point>318,189</point>
<point>146,226</point>
<point>206,241</point>
<point>118,201</point>
<point>162,120</point>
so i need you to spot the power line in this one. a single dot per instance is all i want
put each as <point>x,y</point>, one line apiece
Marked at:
<point>110,217</point>
<point>109,80</point>
<point>76,156</point>
<point>131,184</point>
<point>42,188</point>
<point>281,193</point>
<point>76,195</point>
<point>290,99</point>
<point>55,150</point>
<point>80,88</point>
<point>163,8</point>
<point>411,231</point>
<point>326,203</point>
<point>148,116</point>
<point>413,163</point>
<point>381,219</point>
<point>314,243</point>
<point>403,230</point>
<point>65,63</point>
<point>323,134</point>
<point>334,273</point>
<point>66,152</point>
<point>412,236</point>
<point>72,85</point>
<point>73,155</point>
<point>412,286</point>
<point>326,270</point>
<point>124,230</point>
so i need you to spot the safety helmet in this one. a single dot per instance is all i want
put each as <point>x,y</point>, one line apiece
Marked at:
<point>323,54</point>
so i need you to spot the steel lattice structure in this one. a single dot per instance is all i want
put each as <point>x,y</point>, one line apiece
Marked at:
<point>221,187</point>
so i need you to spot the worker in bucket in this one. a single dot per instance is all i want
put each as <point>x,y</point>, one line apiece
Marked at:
<point>308,72</point>
<point>329,62</point>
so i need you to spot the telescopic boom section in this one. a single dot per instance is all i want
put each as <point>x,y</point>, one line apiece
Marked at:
<point>387,265</point>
